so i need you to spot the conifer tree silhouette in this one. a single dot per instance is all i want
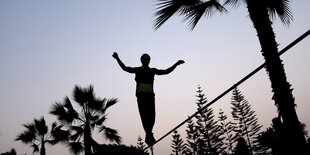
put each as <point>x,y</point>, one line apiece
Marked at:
<point>178,146</point>
<point>203,136</point>
<point>191,138</point>
<point>210,141</point>
<point>226,131</point>
<point>247,122</point>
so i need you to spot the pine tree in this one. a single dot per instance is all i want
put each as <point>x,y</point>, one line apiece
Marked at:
<point>209,141</point>
<point>177,145</point>
<point>248,126</point>
<point>192,138</point>
<point>226,131</point>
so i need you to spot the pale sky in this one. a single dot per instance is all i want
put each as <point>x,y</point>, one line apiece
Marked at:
<point>47,47</point>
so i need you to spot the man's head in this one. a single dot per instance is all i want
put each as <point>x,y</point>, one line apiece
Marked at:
<point>145,59</point>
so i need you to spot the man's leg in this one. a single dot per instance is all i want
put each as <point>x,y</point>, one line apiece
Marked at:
<point>146,105</point>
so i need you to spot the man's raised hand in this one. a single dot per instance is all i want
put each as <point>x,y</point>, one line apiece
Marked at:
<point>180,62</point>
<point>115,55</point>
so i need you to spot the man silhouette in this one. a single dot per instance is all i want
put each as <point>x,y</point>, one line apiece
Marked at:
<point>144,91</point>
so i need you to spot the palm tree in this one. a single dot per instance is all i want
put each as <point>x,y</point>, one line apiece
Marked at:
<point>37,134</point>
<point>82,124</point>
<point>260,12</point>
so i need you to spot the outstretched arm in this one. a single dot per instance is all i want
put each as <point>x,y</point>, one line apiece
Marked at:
<point>170,69</point>
<point>121,64</point>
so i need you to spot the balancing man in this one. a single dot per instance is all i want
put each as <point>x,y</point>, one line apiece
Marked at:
<point>144,91</point>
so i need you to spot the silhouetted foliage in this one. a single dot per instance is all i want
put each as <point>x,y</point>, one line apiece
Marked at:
<point>242,148</point>
<point>203,136</point>
<point>12,152</point>
<point>265,139</point>
<point>275,137</point>
<point>280,143</point>
<point>37,134</point>
<point>141,145</point>
<point>118,150</point>
<point>261,12</point>
<point>209,141</point>
<point>178,146</point>
<point>80,125</point>
<point>226,131</point>
<point>247,124</point>
<point>192,138</point>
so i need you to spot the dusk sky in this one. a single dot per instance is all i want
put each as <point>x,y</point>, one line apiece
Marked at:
<point>48,47</point>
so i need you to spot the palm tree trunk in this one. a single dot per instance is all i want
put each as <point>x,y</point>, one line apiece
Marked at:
<point>283,97</point>
<point>87,132</point>
<point>42,150</point>
<point>87,139</point>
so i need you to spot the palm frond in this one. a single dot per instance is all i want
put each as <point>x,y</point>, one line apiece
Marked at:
<point>109,103</point>
<point>67,103</point>
<point>30,127</point>
<point>77,128</point>
<point>282,9</point>
<point>77,132</point>
<point>193,10</point>
<point>26,137</point>
<point>83,95</point>
<point>165,10</point>
<point>64,115</point>
<point>194,13</point>
<point>93,119</point>
<point>232,3</point>
<point>101,120</point>
<point>41,126</point>
<point>54,125</point>
<point>58,110</point>
<point>35,147</point>
<point>111,134</point>
<point>97,104</point>
<point>59,134</point>
<point>76,136</point>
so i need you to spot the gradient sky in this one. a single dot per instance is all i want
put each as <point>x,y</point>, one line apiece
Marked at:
<point>48,47</point>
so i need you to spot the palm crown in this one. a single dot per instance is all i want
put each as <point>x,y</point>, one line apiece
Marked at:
<point>82,124</point>
<point>37,134</point>
<point>193,10</point>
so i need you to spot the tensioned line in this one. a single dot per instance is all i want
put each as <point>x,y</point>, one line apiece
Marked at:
<point>303,36</point>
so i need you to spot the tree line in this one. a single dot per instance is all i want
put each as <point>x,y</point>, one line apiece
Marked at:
<point>208,135</point>
<point>205,134</point>
<point>74,126</point>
